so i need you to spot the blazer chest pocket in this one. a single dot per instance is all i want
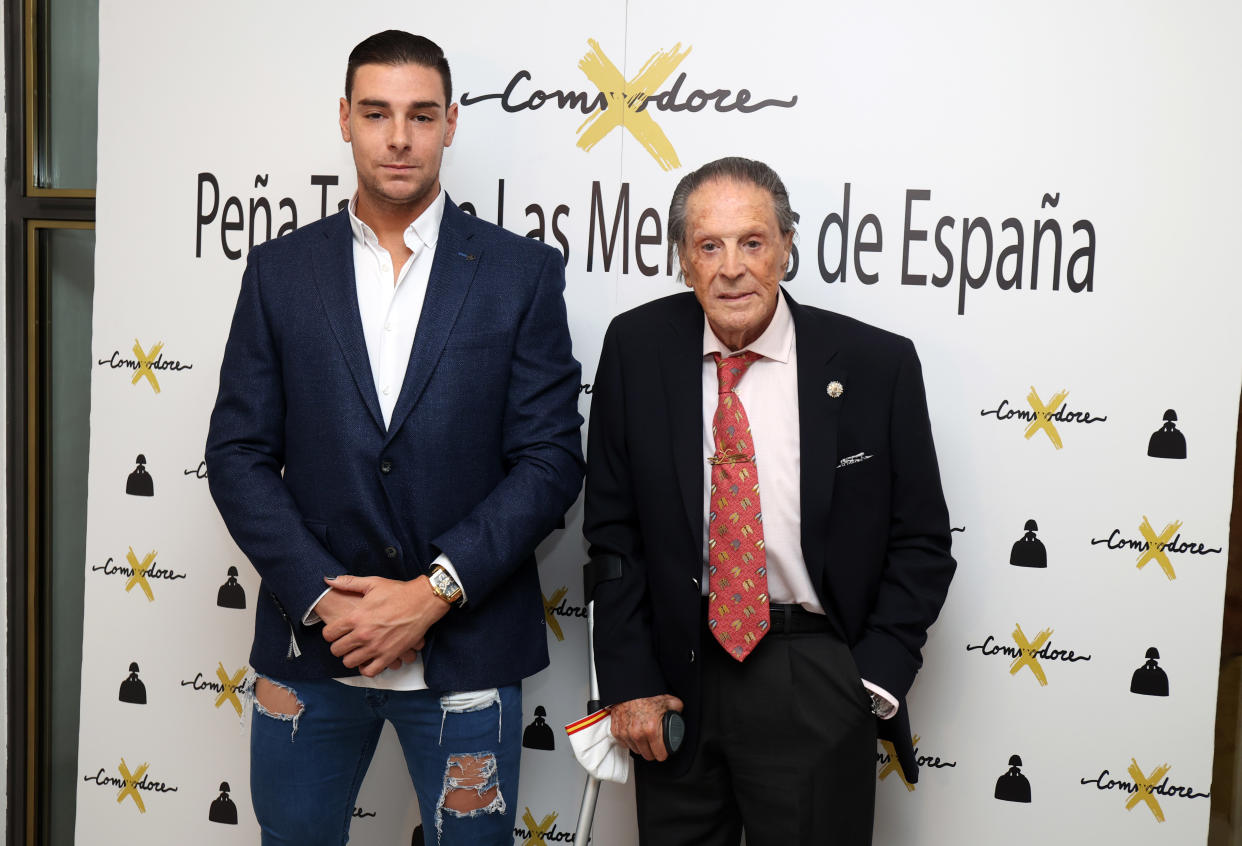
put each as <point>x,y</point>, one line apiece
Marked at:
<point>477,341</point>
<point>859,462</point>
<point>477,364</point>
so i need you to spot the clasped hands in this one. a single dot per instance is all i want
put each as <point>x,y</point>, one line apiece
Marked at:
<point>376,624</point>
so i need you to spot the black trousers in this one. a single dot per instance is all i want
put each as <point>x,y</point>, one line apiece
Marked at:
<point>786,752</point>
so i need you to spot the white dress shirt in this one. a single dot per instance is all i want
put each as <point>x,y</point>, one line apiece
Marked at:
<point>769,393</point>
<point>390,313</point>
<point>390,310</point>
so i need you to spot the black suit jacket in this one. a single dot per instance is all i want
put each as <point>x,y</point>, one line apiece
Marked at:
<point>875,533</point>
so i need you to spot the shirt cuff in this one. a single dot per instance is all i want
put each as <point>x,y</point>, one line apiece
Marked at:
<point>310,618</point>
<point>886,696</point>
<point>442,560</point>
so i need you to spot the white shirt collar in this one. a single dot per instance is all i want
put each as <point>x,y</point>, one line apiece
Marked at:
<point>424,231</point>
<point>775,343</point>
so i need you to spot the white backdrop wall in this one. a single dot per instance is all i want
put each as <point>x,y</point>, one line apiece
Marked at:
<point>953,143</point>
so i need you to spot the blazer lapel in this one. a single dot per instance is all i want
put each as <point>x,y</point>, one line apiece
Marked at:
<point>681,369</point>
<point>452,273</point>
<point>334,278</point>
<point>818,414</point>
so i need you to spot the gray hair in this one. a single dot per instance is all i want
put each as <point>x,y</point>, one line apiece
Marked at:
<point>733,169</point>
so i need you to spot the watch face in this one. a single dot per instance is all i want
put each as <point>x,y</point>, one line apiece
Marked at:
<point>445,586</point>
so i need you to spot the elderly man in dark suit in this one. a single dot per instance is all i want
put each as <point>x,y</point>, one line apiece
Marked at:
<point>763,476</point>
<point>396,429</point>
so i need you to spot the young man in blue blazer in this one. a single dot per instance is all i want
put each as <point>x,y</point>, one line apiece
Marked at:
<point>396,430</point>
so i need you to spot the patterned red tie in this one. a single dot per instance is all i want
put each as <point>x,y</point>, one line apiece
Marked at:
<point>737,579</point>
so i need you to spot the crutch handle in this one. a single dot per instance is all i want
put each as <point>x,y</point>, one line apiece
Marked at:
<point>674,731</point>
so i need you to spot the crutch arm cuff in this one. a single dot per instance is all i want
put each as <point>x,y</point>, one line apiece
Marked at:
<point>601,568</point>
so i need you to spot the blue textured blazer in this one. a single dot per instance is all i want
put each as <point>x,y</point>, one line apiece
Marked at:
<point>480,461</point>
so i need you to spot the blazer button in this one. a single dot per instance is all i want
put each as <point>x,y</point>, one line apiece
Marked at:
<point>390,551</point>
<point>691,656</point>
<point>385,466</point>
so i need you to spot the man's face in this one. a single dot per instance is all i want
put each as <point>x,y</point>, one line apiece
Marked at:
<point>398,124</point>
<point>734,258</point>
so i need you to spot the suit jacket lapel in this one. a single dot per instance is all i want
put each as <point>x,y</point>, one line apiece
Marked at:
<point>334,278</point>
<point>681,369</point>
<point>452,273</point>
<point>818,415</point>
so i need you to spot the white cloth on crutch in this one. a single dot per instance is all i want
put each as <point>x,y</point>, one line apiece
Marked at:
<point>599,753</point>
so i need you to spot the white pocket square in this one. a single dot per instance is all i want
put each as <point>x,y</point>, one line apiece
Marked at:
<point>856,458</point>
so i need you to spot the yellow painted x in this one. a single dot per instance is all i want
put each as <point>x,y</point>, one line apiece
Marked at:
<point>1155,546</point>
<point>893,765</point>
<point>1043,415</point>
<point>131,785</point>
<point>626,99</point>
<point>144,364</point>
<point>230,685</point>
<point>548,605</point>
<point>139,577</point>
<point>1027,657</point>
<point>1145,787</point>
<point>537,831</point>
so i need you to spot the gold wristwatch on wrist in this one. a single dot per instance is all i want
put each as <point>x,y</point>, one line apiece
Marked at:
<point>445,586</point>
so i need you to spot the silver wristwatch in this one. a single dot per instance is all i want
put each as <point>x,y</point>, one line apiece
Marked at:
<point>445,586</point>
<point>880,706</point>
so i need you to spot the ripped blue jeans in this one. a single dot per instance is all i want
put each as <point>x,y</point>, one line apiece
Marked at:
<point>305,773</point>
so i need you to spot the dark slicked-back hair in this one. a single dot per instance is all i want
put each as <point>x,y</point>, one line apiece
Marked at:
<point>396,47</point>
<point>733,169</point>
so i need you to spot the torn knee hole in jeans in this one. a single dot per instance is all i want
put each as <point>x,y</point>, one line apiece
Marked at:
<point>278,701</point>
<point>471,787</point>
